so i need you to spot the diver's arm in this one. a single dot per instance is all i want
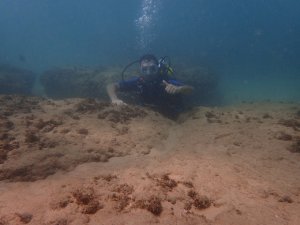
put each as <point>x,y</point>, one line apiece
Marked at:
<point>173,89</point>
<point>112,93</point>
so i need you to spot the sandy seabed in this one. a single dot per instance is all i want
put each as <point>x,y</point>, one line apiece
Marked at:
<point>79,161</point>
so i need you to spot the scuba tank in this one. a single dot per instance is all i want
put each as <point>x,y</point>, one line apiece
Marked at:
<point>164,66</point>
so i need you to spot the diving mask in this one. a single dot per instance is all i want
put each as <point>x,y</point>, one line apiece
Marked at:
<point>149,69</point>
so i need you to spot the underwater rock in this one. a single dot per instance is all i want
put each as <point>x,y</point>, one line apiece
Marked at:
<point>205,82</point>
<point>14,80</point>
<point>78,82</point>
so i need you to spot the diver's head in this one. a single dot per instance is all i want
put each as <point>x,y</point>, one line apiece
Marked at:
<point>148,65</point>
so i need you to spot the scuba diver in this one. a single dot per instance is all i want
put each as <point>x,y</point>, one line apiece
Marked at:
<point>155,87</point>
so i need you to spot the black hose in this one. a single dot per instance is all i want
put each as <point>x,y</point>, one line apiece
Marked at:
<point>126,67</point>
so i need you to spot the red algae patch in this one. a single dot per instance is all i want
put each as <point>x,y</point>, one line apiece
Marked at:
<point>199,201</point>
<point>152,204</point>
<point>163,181</point>
<point>87,200</point>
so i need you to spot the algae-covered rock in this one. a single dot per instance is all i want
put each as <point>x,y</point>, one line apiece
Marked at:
<point>78,82</point>
<point>91,83</point>
<point>14,80</point>
<point>204,81</point>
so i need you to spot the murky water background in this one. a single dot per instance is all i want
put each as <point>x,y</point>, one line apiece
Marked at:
<point>253,46</point>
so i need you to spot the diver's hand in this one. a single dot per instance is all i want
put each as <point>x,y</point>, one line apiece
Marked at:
<point>118,102</point>
<point>171,89</point>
